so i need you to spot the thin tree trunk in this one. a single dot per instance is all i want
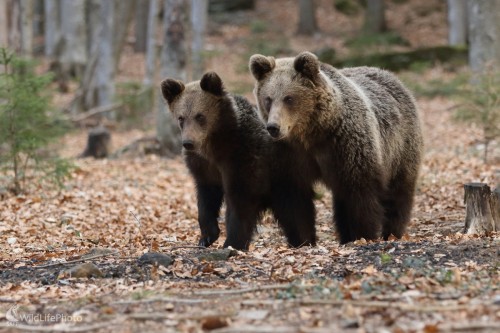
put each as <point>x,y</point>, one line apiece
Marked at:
<point>71,47</point>
<point>26,11</point>
<point>13,18</point>
<point>484,34</point>
<point>151,43</point>
<point>307,17</point>
<point>374,17</point>
<point>88,85</point>
<point>141,26</point>
<point>52,24</point>
<point>4,26</point>
<point>199,14</point>
<point>173,64</point>
<point>457,22</point>
<point>123,11</point>
<point>105,65</point>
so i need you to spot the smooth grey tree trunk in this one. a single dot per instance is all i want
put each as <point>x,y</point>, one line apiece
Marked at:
<point>14,25</point>
<point>71,47</point>
<point>51,10</point>
<point>307,17</point>
<point>484,34</point>
<point>374,17</point>
<point>141,26</point>
<point>26,14</point>
<point>105,64</point>
<point>457,22</point>
<point>4,28</point>
<point>150,62</point>
<point>199,15</point>
<point>173,65</point>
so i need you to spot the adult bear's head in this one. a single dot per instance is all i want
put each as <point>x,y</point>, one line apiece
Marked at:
<point>287,92</point>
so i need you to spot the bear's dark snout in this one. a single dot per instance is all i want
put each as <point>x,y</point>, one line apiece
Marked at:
<point>273,129</point>
<point>188,144</point>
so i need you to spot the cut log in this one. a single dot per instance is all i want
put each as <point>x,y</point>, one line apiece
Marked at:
<point>482,209</point>
<point>98,143</point>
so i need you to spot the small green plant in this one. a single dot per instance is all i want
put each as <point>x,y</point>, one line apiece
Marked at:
<point>385,258</point>
<point>480,104</point>
<point>26,126</point>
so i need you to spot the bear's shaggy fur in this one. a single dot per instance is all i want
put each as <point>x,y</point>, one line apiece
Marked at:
<point>362,128</point>
<point>232,157</point>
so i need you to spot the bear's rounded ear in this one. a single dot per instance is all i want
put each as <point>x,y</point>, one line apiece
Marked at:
<point>307,64</point>
<point>212,83</point>
<point>261,65</point>
<point>171,88</point>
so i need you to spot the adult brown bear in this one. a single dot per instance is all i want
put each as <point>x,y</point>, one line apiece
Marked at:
<point>362,128</point>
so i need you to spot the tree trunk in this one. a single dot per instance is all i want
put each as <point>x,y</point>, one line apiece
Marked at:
<point>482,209</point>
<point>199,14</point>
<point>4,26</point>
<point>52,25</point>
<point>71,51</point>
<point>374,17</point>
<point>26,11</point>
<point>123,11</point>
<point>98,143</point>
<point>457,22</point>
<point>173,64</point>
<point>105,65</point>
<point>13,18</point>
<point>307,17</point>
<point>151,43</point>
<point>141,26</point>
<point>484,34</point>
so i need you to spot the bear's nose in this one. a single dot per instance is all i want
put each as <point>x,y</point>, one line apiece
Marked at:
<point>188,144</point>
<point>273,129</point>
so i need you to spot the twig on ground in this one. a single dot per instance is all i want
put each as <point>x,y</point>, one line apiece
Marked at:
<point>187,247</point>
<point>246,290</point>
<point>77,260</point>
<point>160,299</point>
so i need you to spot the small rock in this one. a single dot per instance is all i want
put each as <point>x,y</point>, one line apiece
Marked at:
<point>155,258</point>
<point>412,262</point>
<point>11,240</point>
<point>85,270</point>
<point>217,255</point>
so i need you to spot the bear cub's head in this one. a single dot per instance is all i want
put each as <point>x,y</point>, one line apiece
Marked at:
<point>196,106</point>
<point>286,90</point>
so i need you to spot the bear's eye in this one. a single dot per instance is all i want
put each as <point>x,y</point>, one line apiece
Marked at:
<point>181,121</point>
<point>267,103</point>
<point>288,100</point>
<point>200,118</point>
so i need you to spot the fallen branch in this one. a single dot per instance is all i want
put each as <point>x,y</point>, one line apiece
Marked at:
<point>259,329</point>
<point>246,290</point>
<point>60,328</point>
<point>469,327</point>
<point>187,247</point>
<point>160,299</point>
<point>77,260</point>
<point>95,111</point>
<point>133,145</point>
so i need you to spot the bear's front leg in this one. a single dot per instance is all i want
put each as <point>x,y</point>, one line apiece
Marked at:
<point>209,203</point>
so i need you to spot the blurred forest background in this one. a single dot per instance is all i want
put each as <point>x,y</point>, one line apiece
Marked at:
<point>97,64</point>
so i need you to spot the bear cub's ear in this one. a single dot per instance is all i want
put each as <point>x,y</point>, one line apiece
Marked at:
<point>307,64</point>
<point>171,88</point>
<point>212,83</point>
<point>261,65</point>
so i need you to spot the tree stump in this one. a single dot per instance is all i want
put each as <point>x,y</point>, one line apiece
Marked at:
<point>98,143</point>
<point>482,209</point>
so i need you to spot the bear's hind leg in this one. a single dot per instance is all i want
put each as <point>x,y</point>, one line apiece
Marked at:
<point>241,220</point>
<point>398,204</point>
<point>357,215</point>
<point>294,209</point>
<point>209,203</point>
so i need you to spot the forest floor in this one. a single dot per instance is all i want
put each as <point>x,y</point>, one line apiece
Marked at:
<point>80,258</point>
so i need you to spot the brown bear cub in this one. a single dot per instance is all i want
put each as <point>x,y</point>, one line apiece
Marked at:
<point>362,128</point>
<point>232,157</point>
